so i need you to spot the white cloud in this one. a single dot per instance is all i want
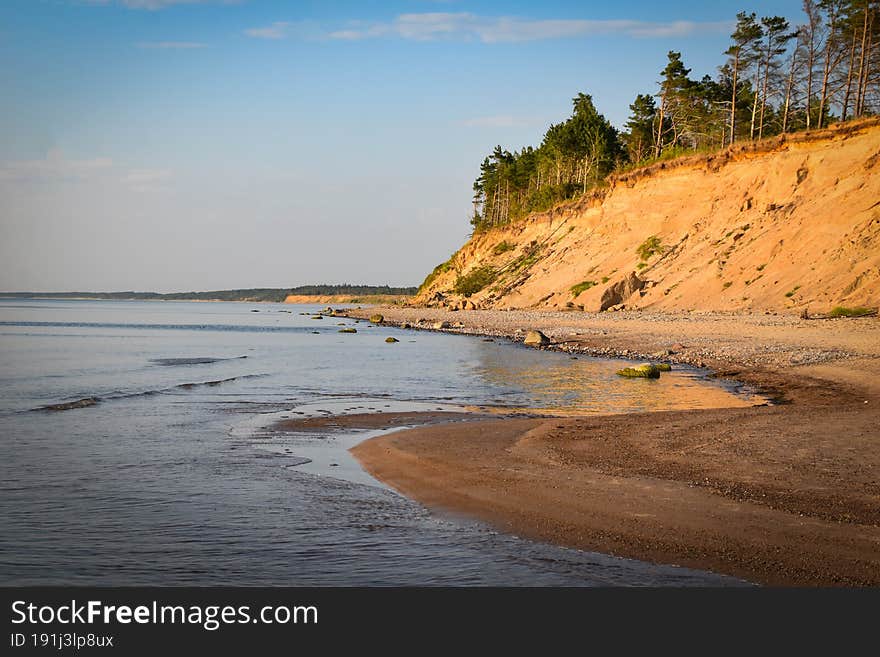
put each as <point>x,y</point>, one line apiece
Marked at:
<point>171,45</point>
<point>464,26</point>
<point>503,121</point>
<point>54,167</point>
<point>277,30</point>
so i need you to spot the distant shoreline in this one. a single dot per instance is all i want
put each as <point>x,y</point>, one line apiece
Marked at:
<point>302,294</point>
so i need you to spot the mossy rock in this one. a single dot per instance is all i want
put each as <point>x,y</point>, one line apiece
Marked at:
<point>377,318</point>
<point>663,367</point>
<point>389,340</point>
<point>348,330</point>
<point>646,371</point>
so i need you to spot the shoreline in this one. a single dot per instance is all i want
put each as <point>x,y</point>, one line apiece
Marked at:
<point>786,494</point>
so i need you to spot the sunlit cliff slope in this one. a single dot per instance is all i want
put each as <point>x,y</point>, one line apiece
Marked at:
<point>788,224</point>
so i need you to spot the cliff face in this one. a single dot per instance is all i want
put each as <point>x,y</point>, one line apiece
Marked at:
<point>785,225</point>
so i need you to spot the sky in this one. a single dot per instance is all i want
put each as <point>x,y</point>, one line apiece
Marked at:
<point>175,145</point>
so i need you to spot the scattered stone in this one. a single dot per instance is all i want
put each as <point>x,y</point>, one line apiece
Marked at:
<point>390,340</point>
<point>536,338</point>
<point>377,318</point>
<point>317,317</point>
<point>438,326</point>
<point>663,367</point>
<point>348,330</point>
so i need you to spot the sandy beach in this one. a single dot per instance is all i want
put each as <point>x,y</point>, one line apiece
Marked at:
<point>786,493</point>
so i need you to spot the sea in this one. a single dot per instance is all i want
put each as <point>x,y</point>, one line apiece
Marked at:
<point>137,448</point>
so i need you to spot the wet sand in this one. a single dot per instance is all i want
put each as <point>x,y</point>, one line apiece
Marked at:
<point>785,494</point>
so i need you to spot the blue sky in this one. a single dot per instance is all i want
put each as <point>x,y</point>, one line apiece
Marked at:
<point>185,144</point>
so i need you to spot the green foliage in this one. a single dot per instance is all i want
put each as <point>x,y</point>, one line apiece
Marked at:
<point>605,279</point>
<point>442,268</point>
<point>475,280</point>
<point>650,247</point>
<point>502,247</point>
<point>574,156</point>
<point>583,286</point>
<point>791,292</point>
<point>858,311</point>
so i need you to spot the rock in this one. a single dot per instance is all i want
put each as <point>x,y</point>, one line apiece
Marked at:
<point>390,340</point>
<point>536,338</point>
<point>646,371</point>
<point>621,291</point>
<point>377,318</point>
<point>664,367</point>
<point>317,317</point>
<point>79,403</point>
<point>348,330</point>
<point>406,325</point>
<point>470,305</point>
<point>437,326</point>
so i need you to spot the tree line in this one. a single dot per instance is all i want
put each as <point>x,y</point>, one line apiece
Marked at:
<point>250,294</point>
<point>776,78</point>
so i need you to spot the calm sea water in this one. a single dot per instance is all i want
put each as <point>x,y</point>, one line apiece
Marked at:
<point>173,478</point>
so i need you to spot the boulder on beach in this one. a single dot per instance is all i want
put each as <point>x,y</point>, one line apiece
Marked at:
<point>348,330</point>
<point>389,340</point>
<point>377,318</point>
<point>440,325</point>
<point>536,339</point>
<point>616,294</point>
<point>646,371</point>
<point>664,367</point>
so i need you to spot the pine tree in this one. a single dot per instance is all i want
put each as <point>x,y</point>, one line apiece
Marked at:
<point>640,127</point>
<point>742,55</point>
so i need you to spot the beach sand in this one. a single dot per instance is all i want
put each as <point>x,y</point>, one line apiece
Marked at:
<point>781,494</point>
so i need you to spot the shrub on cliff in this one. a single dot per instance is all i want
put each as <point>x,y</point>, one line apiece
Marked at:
<point>475,280</point>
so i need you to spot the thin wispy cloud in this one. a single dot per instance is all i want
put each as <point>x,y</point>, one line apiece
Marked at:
<point>55,167</point>
<point>147,180</point>
<point>171,45</point>
<point>277,30</point>
<point>465,26</point>
<point>154,5</point>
